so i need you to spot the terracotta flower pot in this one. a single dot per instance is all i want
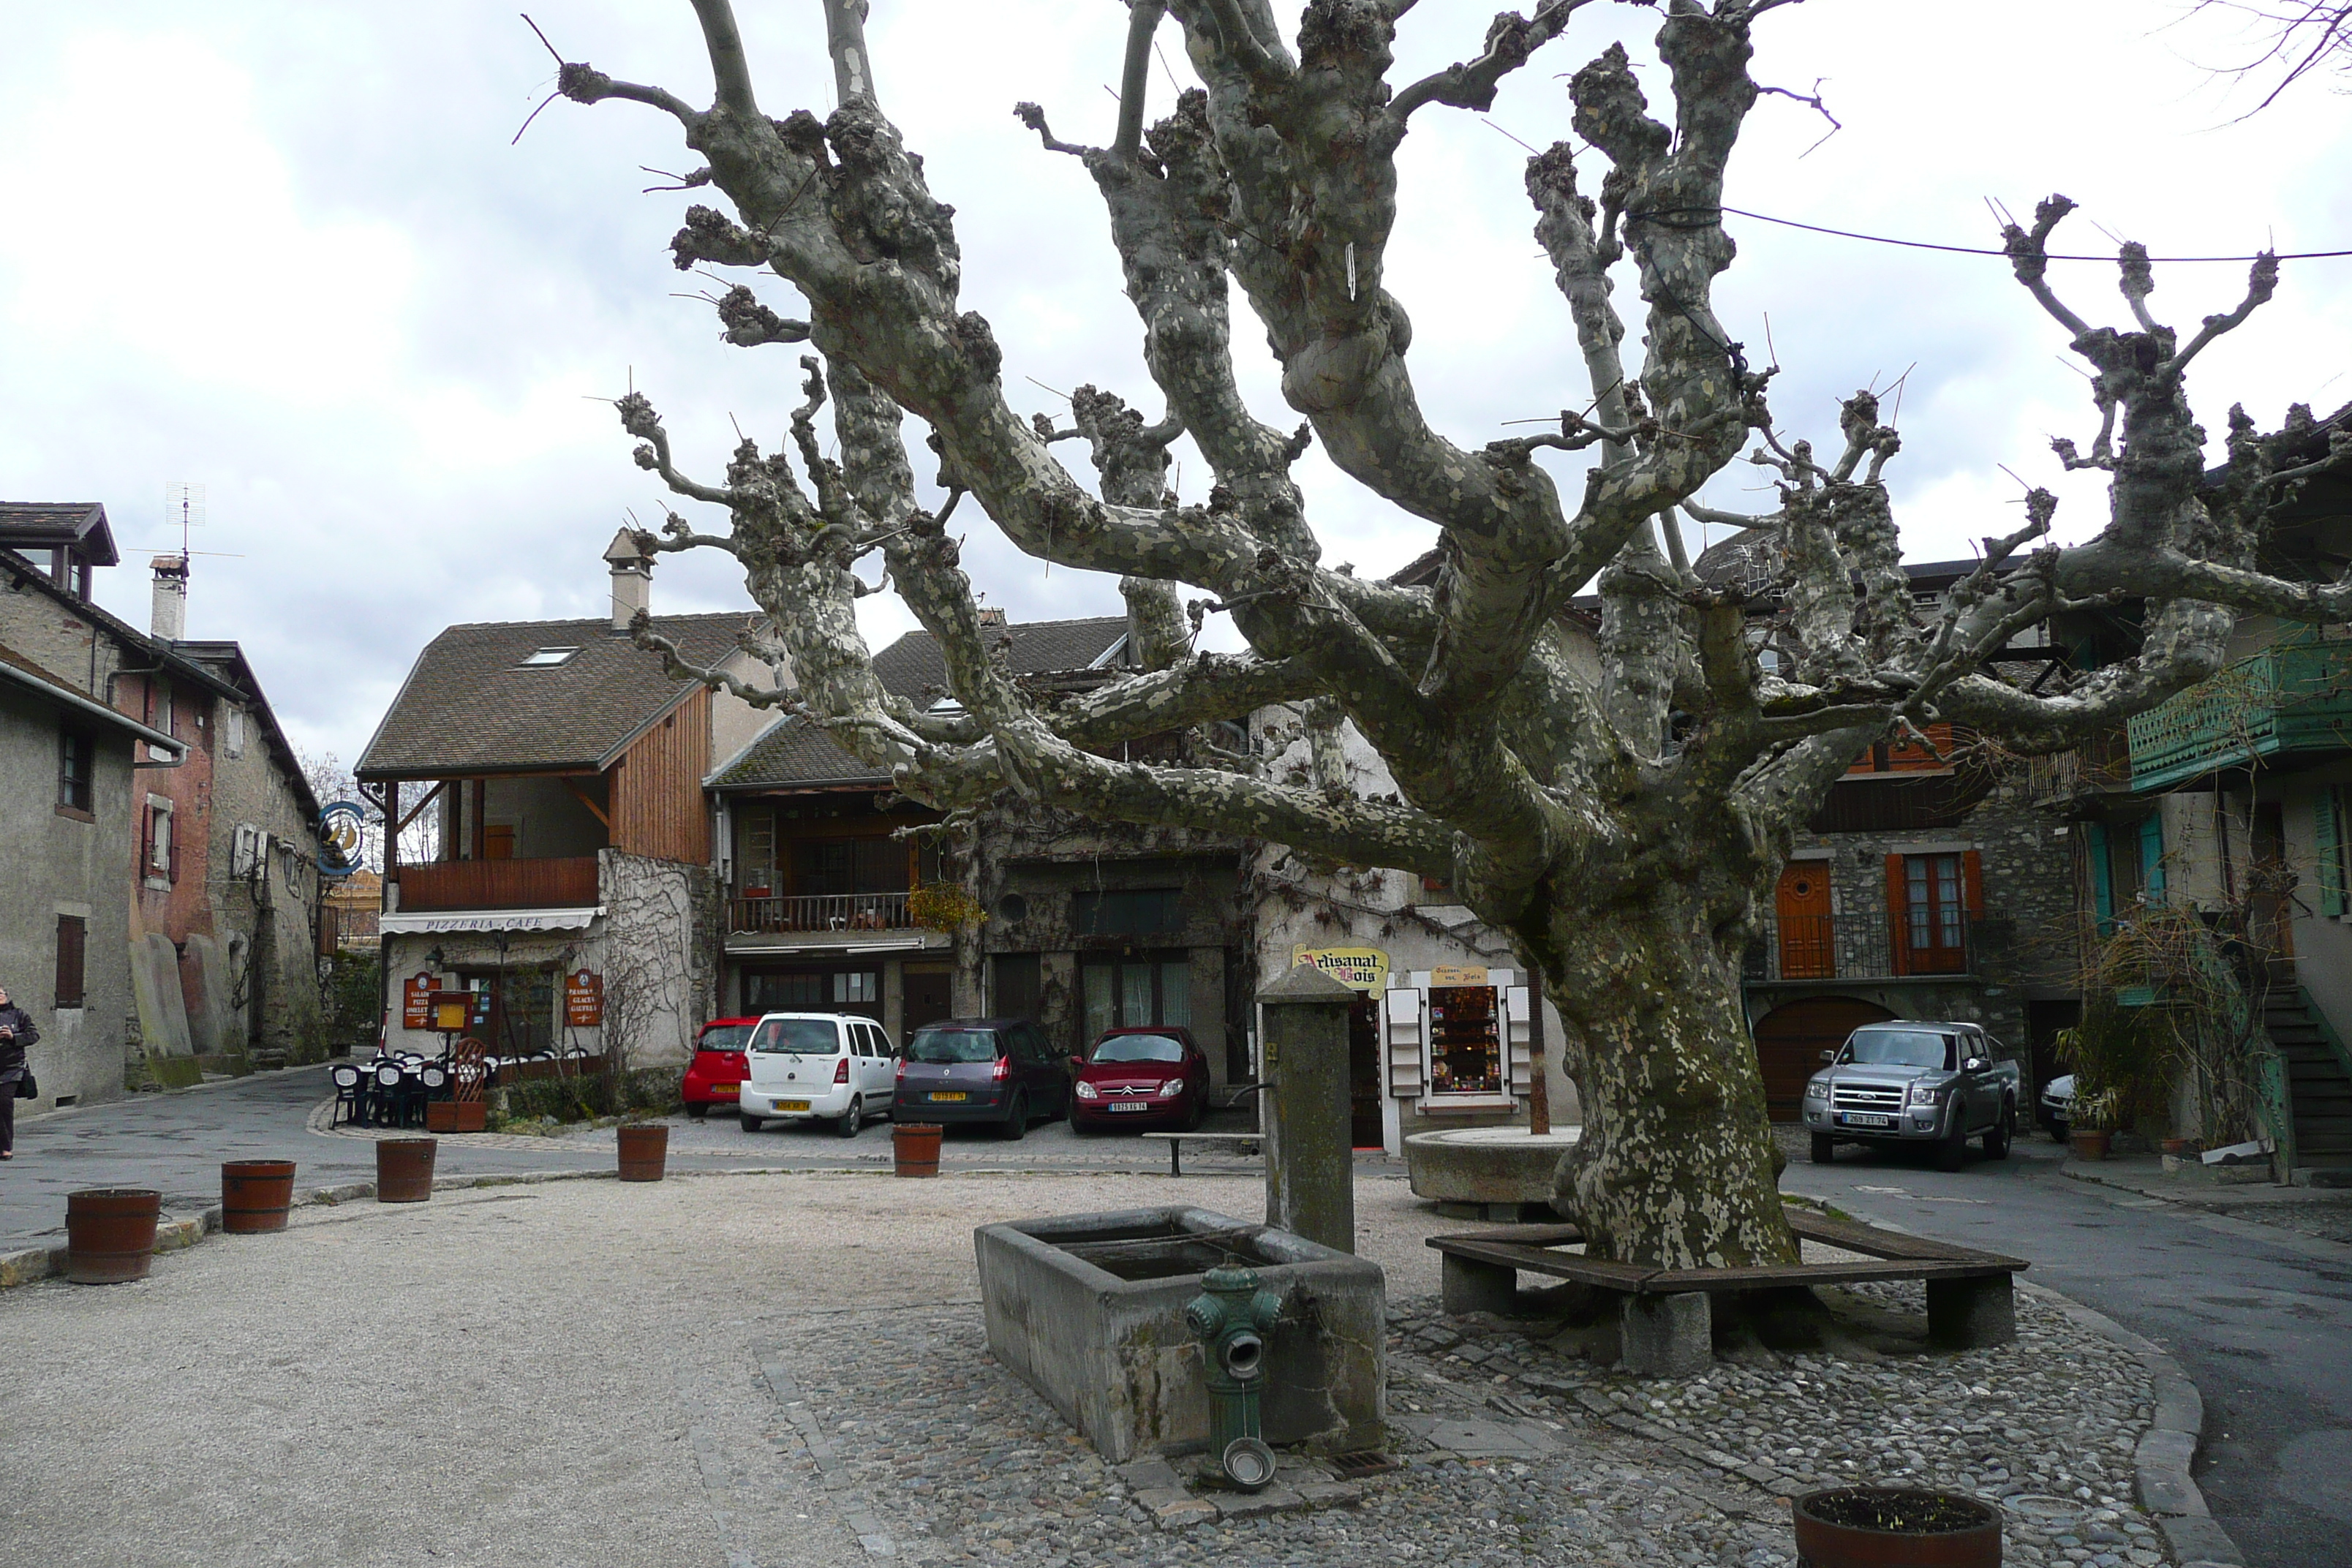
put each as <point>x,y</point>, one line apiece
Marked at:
<point>111,1234</point>
<point>256,1195</point>
<point>645,1147</point>
<point>916,1146</point>
<point>2180,1148</point>
<point>1895,1527</point>
<point>2090,1142</point>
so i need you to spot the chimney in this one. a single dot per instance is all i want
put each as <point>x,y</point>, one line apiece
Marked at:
<point>169,619</point>
<point>633,580</point>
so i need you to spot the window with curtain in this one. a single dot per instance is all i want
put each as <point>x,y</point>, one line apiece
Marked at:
<point>1135,991</point>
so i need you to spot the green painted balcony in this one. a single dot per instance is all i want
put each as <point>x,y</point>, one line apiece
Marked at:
<point>2293,698</point>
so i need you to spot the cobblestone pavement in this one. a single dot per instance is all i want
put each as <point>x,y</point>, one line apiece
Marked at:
<point>1508,1452</point>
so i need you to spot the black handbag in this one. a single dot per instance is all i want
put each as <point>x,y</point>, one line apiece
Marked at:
<point>26,1089</point>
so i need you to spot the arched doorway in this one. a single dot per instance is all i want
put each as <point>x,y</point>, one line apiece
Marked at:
<point>1790,1041</point>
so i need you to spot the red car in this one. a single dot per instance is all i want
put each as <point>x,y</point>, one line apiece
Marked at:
<point>718,1068</point>
<point>1141,1078</point>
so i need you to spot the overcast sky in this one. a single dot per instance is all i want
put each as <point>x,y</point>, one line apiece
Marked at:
<point>286,252</point>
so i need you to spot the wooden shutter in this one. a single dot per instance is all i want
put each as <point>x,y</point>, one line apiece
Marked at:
<point>1972,883</point>
<point>1898,916</point>
<point>2328,828</point>
<point>2103,892</point>
<point>71,932</point>
<point>1402,1011</point>
<point>2151,857</point>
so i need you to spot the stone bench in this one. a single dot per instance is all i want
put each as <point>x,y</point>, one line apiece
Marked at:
<point>1665,1320</point>
<point>1176,1142</point>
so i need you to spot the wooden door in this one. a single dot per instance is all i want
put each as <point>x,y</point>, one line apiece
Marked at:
<point>1790,1042</point>
<point>1801,907</point>
<point>929,996</point>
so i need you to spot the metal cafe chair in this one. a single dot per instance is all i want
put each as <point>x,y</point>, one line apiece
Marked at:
<point>351,1097</point>
<point>385,1094</point>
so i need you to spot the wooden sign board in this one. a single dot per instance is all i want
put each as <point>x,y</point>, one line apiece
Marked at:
<point>1358,968</point>
<point>1468,974</point>
<point>584,1000</point>
<point>416,1001</point>
<point>453,1011</point>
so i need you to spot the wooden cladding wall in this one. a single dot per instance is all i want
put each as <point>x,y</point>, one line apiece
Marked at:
<point>565,883</point>
<point>656,793</point>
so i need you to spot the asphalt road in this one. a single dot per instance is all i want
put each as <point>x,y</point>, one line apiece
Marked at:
<point>2261,1319</point>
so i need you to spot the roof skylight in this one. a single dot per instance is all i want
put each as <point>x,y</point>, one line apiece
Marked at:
<point>547,659</point>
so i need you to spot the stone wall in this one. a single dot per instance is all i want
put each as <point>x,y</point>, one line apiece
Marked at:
<point>57,864</point>
<point>264,914</point>
<point>657,972</point>
<point>2024,948</point>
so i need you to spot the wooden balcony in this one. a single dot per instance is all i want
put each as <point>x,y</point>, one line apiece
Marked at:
<point>566,883</point>
<point>2293,697</point>
<point>823,912</point>
<point>1864,945</point>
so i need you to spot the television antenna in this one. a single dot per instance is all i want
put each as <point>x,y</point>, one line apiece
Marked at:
<point>184,508</point>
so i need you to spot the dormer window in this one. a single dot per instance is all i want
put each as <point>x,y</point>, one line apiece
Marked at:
<point>547,659</point>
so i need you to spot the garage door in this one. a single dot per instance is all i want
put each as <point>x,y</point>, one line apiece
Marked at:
<point>1790,1042</point>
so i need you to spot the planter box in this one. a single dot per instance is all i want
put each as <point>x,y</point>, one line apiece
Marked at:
<point>456,1116</point>
<point>1088,1310</point>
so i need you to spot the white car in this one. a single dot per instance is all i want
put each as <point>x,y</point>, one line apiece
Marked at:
<point>818,1066</point>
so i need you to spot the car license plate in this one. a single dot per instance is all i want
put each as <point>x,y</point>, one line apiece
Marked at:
<point>725,1090</point>
<point>792,1105</point>
<point>1866,1119</point>
<point>958,1094</point>
<point>1130,1105</point>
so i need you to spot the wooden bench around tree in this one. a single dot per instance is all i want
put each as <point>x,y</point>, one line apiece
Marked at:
<point>1664,1318</point>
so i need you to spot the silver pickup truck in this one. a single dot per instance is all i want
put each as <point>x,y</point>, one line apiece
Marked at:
<point>1915,1081</point>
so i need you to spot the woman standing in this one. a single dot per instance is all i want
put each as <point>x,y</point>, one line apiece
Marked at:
<point>16,1031</point>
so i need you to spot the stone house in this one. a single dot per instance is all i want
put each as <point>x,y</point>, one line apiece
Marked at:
<point>1933,883</point>
<point>224,892</point>
<point>68,768</point>
<point>1087,926</point>
<point>2234,800</point>
<point>570,879</point>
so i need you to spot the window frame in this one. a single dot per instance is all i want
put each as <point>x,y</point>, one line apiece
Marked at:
<point>76,767</point>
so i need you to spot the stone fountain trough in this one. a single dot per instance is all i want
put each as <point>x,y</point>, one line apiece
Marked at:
<point>1088,1310</point>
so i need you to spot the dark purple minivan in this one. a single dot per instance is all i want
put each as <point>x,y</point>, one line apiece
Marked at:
<point>997,1071</point>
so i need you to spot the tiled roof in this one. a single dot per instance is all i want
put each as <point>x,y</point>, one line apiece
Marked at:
<point>469,706</point>
<point>794,753</point>
<point>911,666</point>
<point>41,525</point>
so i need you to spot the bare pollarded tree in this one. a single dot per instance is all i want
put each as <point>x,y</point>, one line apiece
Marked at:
<point>1621,834</point>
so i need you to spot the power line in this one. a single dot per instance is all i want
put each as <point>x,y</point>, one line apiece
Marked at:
<point>1973,249</point>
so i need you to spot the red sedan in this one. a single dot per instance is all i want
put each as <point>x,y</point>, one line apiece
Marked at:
<point>718,1068</point>
<point>1141,1078</point>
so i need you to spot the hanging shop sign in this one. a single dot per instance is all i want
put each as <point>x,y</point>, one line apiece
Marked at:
<point>1357,968</point>
<point>1465,974</point>
<point>342,838</point>
<point>584,1000</point>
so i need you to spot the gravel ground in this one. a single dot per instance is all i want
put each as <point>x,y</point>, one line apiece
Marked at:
<point>748,1370</point>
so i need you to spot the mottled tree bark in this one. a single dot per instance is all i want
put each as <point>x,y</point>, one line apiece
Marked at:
<point>1621,833</point>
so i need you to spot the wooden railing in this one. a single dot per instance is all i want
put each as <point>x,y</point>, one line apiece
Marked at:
<point>826,911</point>
<point>565,883</point>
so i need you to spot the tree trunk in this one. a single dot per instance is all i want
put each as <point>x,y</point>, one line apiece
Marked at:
<point>1675,1165</point>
